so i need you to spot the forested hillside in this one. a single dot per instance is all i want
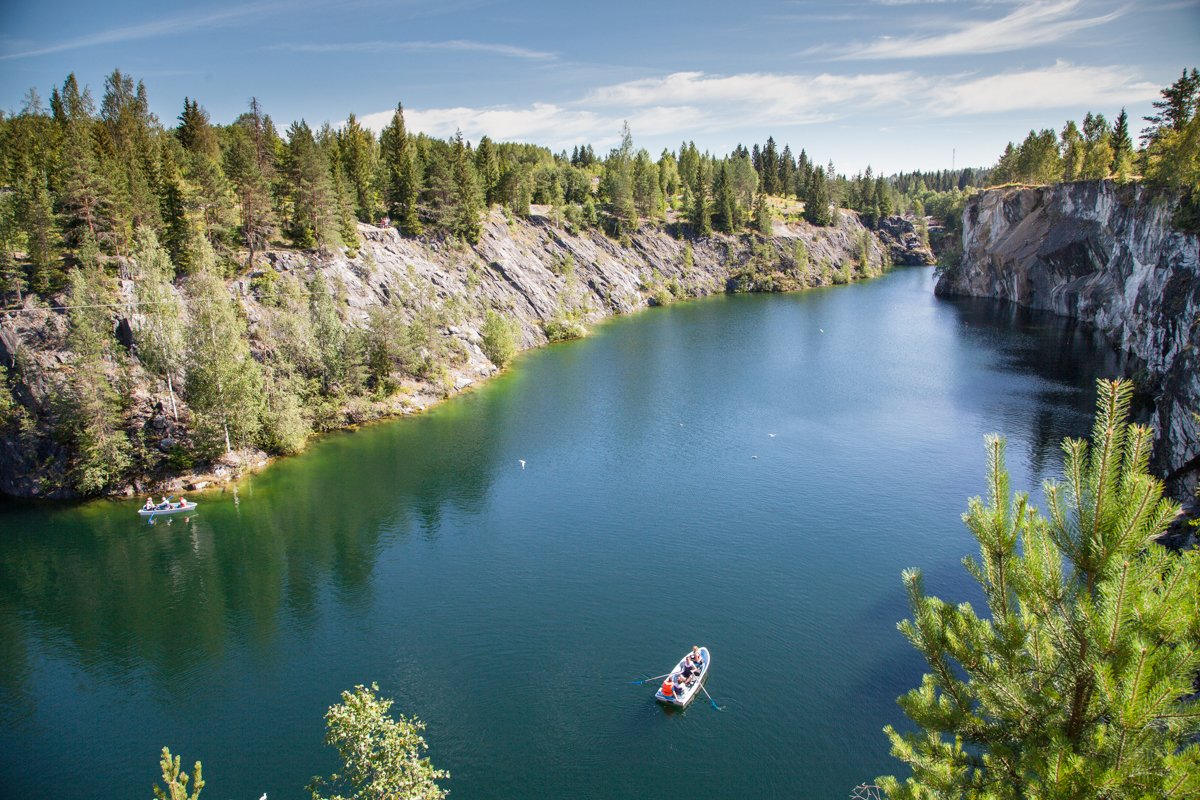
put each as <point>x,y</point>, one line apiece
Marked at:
<point>186,298</point>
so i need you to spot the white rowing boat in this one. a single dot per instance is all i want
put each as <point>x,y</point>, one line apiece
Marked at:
<point>683,694</point>
<point>166,508</point>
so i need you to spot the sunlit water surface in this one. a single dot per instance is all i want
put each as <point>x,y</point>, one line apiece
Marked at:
<point>748,473</point>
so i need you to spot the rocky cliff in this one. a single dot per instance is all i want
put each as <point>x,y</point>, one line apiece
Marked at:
<point>531,270</point>
<point>1106,255</point>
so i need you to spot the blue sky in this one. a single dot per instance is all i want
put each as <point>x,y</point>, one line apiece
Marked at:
<point>897,84</point>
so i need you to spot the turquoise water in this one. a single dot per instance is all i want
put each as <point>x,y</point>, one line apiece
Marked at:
<point>510,608</point>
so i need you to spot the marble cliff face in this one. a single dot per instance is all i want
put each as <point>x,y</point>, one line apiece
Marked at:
<point>1107,255</point>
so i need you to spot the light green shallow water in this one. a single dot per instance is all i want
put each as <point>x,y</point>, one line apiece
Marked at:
<point>510,608</point>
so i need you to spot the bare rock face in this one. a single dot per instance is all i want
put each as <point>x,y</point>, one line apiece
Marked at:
<point>530,269</point>
<point>904,244</point>
<point>1107,255</point>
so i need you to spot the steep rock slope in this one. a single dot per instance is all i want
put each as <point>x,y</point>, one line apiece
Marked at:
<point>531,270</point>
<point>1107,255</point>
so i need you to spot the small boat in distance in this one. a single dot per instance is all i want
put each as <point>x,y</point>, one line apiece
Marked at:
<point>166,508</point>
<point>682,694</point>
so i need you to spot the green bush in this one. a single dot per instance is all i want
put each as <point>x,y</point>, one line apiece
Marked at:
<point>499,338</point>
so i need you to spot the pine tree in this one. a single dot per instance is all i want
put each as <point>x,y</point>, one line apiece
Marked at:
<point>762,215</point>
<point>252,189</point>
<point>1078,681</point>
<point>1122,163</point>
<point>312,203</point>
<point>1098,156</point>
<point>818,204</point>
<point>488,166</point>
<point>356,147</point>
<point>468,197</point>
<point>616,185</point>
<point>647,192</point>
<point>402,174</point>
<point>1072,152</point>
<point>724,217</point>
<point>698,211</point>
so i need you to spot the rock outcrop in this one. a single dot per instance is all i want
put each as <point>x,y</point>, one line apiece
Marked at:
<point>531,270</point>
<point>1106,255</point>
<point>904,243</point>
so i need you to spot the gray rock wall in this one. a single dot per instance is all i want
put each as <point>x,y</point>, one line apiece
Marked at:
<point>1107,255</point>
<point>530,269</point>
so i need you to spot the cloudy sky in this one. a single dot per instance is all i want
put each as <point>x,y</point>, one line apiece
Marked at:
<point>897,84</point>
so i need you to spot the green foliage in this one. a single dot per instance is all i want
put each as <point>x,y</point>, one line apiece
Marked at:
<point>223,384</point>
<point>499,338</point>
<point>176,780</point>
<point>617,185</point>
<point>381,757</point>
<point>1172,156</point>
<point>818,202</point>
<point>1078,681</point>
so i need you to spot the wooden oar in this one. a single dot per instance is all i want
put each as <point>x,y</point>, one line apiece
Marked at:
<point>709,696</point>
<point>646,680</point>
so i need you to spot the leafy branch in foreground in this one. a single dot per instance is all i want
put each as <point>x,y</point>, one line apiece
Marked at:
<point>1078,683</point>
<point>381,757</point>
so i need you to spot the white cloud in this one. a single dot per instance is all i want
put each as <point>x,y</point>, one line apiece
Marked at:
<point>454,45</point>
<point>1061,86</point>
<point>1029,25</point>
<point>696,103</point>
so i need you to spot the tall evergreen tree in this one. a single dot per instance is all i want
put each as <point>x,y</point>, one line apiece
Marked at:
<point>818,203</point>
<point>616,184</point>
<point>402,174</point>
<point>487,164</point>
<point>159,333</point>
<point>724,215</point>
<point>356,147</point>
<point>1122,144</point>
<point>311,213</point>
<point>1073,150</point>
<point>698,211</point>
<point>468,197</point>
<point>647,191</point>
<point>1078,681</point>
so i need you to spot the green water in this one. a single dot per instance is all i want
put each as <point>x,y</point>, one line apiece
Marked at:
<point>510,608</point>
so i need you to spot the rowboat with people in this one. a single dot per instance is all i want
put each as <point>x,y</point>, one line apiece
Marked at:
<point>167,506</point>
<point>684,682</point>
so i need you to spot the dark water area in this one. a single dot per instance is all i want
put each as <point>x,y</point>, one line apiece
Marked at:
<point>749,473</point>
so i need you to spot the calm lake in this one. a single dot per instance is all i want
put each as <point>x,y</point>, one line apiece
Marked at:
<point>749,473</point>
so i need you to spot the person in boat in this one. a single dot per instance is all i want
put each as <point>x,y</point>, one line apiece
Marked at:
<point>182,501</point>
<point>695,657</point>
<point>689,670</point>
<point>149,504</point>
<point>668,687</point>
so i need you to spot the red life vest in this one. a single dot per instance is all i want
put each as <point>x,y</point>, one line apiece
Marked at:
<point>668,688</point>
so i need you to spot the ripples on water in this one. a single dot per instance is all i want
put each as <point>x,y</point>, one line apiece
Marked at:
<point>510,608</point>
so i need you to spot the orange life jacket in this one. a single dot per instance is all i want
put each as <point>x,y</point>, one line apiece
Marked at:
<point>668,688</point>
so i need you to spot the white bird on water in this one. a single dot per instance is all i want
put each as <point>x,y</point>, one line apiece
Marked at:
<point>771,435</point>
<point>521,461</point>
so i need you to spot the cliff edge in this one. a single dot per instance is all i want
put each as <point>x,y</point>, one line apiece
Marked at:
<point>1105,254</point>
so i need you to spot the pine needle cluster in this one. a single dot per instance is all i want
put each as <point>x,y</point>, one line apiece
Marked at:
<point>1078,681</point>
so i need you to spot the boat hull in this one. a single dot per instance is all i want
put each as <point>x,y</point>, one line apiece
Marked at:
<point>159,512</point>
<point>681,700</point>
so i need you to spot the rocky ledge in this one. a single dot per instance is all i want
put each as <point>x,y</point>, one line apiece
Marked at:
<point>531,270</point>
<point>1105,254</point>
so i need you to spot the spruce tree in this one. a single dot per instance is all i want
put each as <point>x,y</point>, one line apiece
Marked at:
<point>724,217</point>
<point>818,202</point>
<point>402,174</point>
<point>1078,681</point>
<point>468,197</point>
<point>698,211</point>
<point>762,215</point>
<point>1122,163</point>
<point>487,164</point>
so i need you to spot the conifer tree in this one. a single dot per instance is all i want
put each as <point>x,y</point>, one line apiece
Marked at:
<point>311,198</point>
<point>252,189</point>
<point>1078,681</point>
<point>818,202</point>
<point>487,164</point>
<point>762,215</point>
<point>1098,156</point>
<point>356,147</point>
<point>402,174</point>
<point>724,217</point>
<point>468,197</point>
<point>616,184</point>
<point>1073,149</point>
<point>698,211</point>
<point>647,191</point>
<point>84,188</point>
<point>1122,163</point>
